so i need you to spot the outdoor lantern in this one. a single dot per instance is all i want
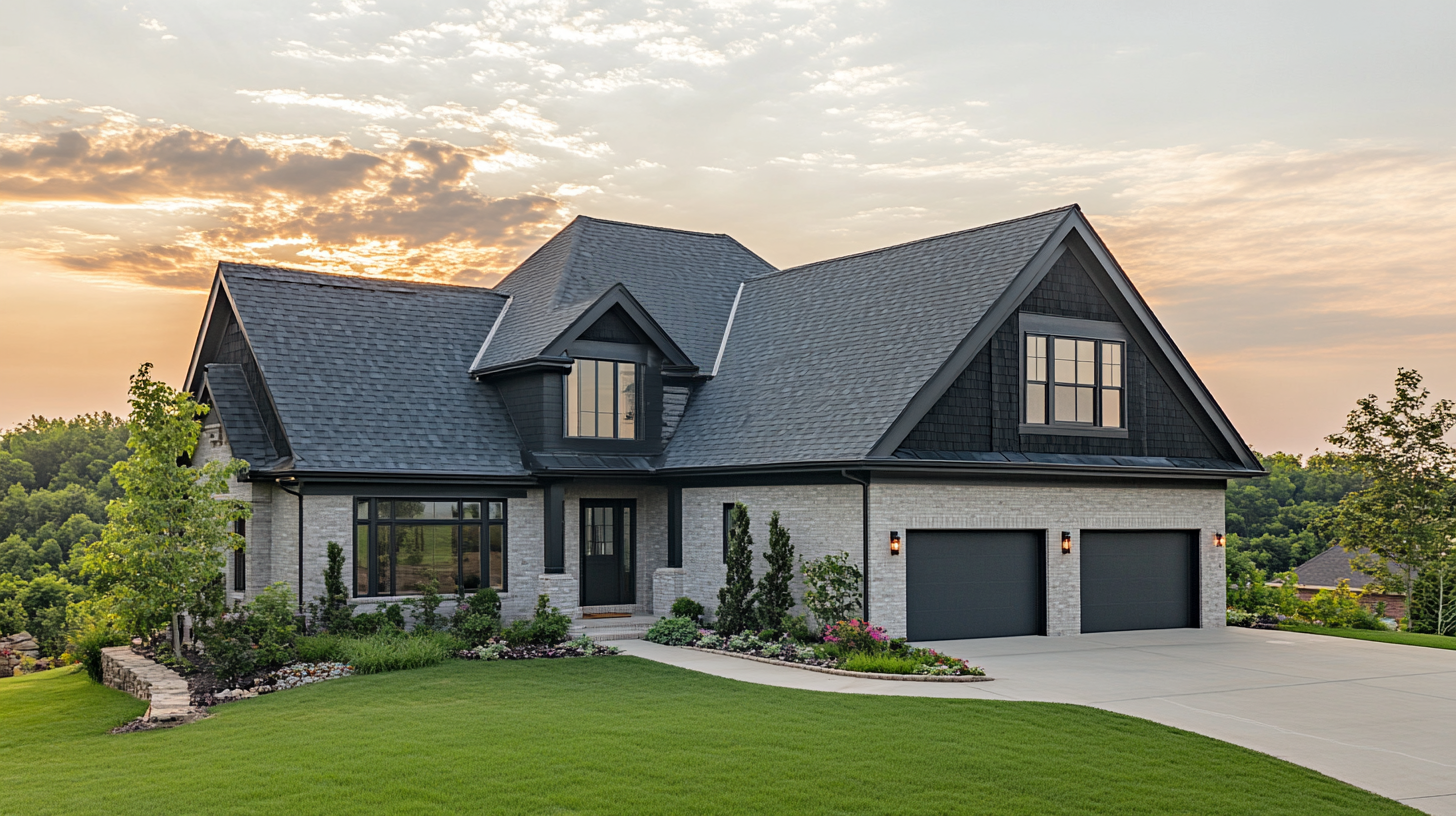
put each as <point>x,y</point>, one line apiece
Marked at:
<point>894,543</point>
<point>1218,539</point>
<point>1066,542</point>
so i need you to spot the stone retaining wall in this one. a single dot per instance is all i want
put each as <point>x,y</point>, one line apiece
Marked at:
<point>13,649</point>
<point>127,671</point>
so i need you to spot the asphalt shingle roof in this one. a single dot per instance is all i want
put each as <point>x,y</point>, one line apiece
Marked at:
<point>239,415</point>
<point>1327,568</point>
<point>685,280</point>
<point>822,358</point>
<point>373,375</point>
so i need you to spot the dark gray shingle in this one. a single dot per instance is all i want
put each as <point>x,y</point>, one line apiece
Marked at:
<point>372,375</point>
<point>823,358</point>
<point>233,402</point>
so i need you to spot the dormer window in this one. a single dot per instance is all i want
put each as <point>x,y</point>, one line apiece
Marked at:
<point>601,399</point>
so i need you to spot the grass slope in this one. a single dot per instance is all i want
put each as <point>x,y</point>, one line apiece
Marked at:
<point>1403,638</point>
<point>623,735</point>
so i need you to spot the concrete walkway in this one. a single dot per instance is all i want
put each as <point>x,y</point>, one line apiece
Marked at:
<point>1376,715</point>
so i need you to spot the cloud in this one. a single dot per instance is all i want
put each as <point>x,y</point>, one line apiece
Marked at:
<point>406,210</point>
<point>861,81</point>
<point>376,108</point>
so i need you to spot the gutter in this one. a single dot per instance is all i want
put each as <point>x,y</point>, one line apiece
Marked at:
<point>299,494</point>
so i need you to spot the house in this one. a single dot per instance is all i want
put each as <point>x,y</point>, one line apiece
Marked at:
<point>991,423</point>
<point>1326,570</point>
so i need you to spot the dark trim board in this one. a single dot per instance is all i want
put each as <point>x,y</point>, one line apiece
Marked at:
<point>411,490</point>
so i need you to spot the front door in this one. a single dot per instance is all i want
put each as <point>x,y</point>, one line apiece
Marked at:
<point>608,539</point>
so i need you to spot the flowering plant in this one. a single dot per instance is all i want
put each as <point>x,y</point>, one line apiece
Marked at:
<point>857,636</point>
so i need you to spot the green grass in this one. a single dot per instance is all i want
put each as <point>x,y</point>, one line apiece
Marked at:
<point>623,736</point>
<point>382,652</point>
<point>1403,638</point>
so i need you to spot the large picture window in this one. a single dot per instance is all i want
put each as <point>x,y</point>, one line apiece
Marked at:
<point>400,544</point>
<point>601,399</point>
<point>1074,381</point>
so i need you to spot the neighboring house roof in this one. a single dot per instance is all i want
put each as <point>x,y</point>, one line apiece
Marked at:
<point>822,358</point>
<point>372,375</point>
<point>685,280</point>
<point>1332,565</point>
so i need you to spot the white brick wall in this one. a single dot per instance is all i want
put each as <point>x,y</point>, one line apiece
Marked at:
<point>904,506</point>
<point>821,519</point>
<point>213,446</point>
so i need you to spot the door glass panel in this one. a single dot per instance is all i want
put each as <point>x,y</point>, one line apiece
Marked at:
<point>599,530</point>
<point>627,539</point>
<point>470,555</point>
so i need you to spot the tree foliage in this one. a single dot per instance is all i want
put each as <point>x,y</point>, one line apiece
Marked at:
<point>163,549</point>
<point>735,599</point>
<point>1402,520</point>
<point>1270,521</point>
<point>773,598</point>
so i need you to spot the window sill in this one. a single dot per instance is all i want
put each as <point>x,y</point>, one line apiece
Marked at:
<point>391,599</point>
<point>1072,430</point>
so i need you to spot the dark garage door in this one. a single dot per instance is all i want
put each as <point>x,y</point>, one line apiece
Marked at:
<point>1143,579</point>
<point>974,583</point>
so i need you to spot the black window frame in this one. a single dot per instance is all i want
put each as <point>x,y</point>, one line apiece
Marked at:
<point>371,523</point>
<point>727,526</point>
<point>240,558</point>
<point>569,411</point>
<point>1101,334</point>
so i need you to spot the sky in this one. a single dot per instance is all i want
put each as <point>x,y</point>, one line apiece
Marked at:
<point>1278,179</point>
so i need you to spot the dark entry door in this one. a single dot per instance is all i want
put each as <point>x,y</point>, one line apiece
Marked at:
<point>608,547</point>
<point>1138,579</point>
<point>974,583</point>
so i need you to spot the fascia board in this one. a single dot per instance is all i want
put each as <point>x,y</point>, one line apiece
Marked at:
<point>193,367</point>
<point>262,373</point>
<point>618,295</point>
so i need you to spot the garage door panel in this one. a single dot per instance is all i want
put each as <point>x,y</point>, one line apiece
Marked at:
<point>1137,579</point>
<point>968,584</point>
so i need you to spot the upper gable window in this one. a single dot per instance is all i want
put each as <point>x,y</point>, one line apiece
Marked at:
<point>601,399</point>
<point>1073,382</point>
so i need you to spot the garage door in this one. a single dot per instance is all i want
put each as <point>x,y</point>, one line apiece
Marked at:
<point>974,583</point>
<point>1143,579</point>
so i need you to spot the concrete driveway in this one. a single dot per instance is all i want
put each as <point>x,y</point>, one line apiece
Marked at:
<point>1375,715</point>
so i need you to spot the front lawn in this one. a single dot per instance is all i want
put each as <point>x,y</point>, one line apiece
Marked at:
<point>622,735</point>
<point>1403,638</point>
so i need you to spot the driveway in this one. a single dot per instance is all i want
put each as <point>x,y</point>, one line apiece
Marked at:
<point>1376,715</point>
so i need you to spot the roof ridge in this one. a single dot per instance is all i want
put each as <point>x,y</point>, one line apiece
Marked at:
<point>659,229</point>
<point>1064,208</point>
<point>357,279</point>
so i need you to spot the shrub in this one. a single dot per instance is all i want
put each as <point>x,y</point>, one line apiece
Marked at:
<point>773,599</point>
<point>90,636</point>
<point>744,643</point>
<point>680,631</point>
<point>797,628</point>
<point>392,651</point>
<point>1238,617</point>
<point>710,640</point>
<point>687,608</point>
<point>334,613</point>
<point>393,616</point>
<point>229,645</point>
<point>735,599</point>
<point>271,625</point>
<point>549,627</point>
<point>880,663</point>
<point>857,636</point>
<point>1433,600</point>
<point>518,634</point>
<point>477,619</point>
<point>427,616</point>
<point>326,648</point>
<point>833,587</point>
<point>1339,608</point>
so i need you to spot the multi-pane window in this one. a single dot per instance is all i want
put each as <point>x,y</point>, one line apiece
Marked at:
<point>240,558</point>
<point>601,399</point>
<point>1074,381</point>
<point>401,544</point>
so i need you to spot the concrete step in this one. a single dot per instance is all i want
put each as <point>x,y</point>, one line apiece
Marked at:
<point>613,628</point>
<point>599,635</point>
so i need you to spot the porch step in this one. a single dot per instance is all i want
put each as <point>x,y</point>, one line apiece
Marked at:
<point>630,628</point>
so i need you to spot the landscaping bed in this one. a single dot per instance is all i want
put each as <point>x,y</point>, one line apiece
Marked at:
<point>500,650</point>
<point>819,666</point>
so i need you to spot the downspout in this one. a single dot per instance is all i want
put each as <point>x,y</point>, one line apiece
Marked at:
<point>299,494</point>
<point>865,515</point>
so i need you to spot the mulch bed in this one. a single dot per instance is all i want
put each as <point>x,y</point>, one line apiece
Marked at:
<point>202,685</point>
<point>828,667</point>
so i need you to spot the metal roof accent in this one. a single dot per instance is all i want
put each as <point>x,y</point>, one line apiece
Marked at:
<point>723,346</point>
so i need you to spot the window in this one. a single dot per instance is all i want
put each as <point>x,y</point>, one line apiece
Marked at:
<point>240,559</point>
<point>727,526</point>
<point>1073,381</point>
<point>601,399</point>
<point>400,544</point>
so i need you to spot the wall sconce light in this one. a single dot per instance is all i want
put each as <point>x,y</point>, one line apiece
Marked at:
<point>1218,539</point>
<point>894,543</point>
<point>1066,542</point>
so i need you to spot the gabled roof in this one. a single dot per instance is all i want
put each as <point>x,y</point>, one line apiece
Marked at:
<point>685,280</point>
<point>226,389</point>
<point>823,358</point>
<point>1332,565</point>
<point>371,375</point>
